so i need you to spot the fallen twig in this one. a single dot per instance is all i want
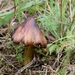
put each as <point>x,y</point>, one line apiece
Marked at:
<point>25,67</point>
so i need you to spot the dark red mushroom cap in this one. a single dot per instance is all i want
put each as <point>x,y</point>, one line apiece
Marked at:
<point>30,33</point>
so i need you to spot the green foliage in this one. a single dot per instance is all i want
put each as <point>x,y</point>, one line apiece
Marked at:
<point>18,55</point>
<point>62,71</point>
<point>43,59</point>
<point>16,49</point>
<point>53,48</point>
<point>56,28</point>
<point>22,6</point>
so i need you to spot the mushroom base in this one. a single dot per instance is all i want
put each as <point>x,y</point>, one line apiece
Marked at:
<point>28,55</point>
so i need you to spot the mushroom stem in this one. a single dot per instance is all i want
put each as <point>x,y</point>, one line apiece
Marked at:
<point>28,55</point>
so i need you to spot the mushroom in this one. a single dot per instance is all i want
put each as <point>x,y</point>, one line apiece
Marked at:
<point>31,35</point>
